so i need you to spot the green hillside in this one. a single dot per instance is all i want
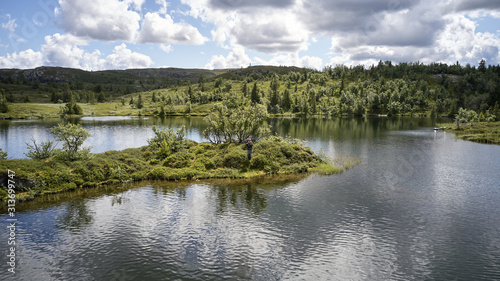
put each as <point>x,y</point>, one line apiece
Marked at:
<point>385,88</point>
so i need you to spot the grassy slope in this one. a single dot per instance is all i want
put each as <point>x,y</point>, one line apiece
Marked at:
<point>198,161</point>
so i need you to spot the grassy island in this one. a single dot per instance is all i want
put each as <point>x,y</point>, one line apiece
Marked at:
<point>196,161</point>
<point>168,156</point>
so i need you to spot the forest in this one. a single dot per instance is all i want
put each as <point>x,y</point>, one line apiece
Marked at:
<point>436,89</point>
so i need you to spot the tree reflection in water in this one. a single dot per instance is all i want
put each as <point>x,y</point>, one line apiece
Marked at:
<point>248,196</point>
<point>75,216</point>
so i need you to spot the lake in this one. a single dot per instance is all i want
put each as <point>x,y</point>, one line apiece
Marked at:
<point>421,205</point>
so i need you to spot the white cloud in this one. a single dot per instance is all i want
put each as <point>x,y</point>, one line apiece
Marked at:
<point>157,29</point>
<point>458,41</point>
<point>11,24</point>
<point>253,24</point>
<point>293,59</point>
<point>166,48</point>
<point>235,59</point>
<point>106,20</point>
<point>67,51</point>
<point>123,58</point>
<point>63,50</point>
<point>163,8</point>
<point>24,59</point>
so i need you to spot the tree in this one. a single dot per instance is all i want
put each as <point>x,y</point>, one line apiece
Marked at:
<point>255,97</point>
<point>139,104</point>
<point>3,103</point>
<point>72,137</point>
<point>244,89</point>
<point>287,102</point>
<point>482,66</point>
<point>227,125</point>
<point>71,108</point>
<point>465,115</point>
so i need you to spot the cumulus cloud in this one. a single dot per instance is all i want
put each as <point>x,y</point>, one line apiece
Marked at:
<point>235,59</point>
<point>253,24</point>
<point>158,29</point>
<point>293,59</point>
<point>108,20</point>
<point>63,50</point>
<point>123,58</point>
<point>166,48</point>
<point>457,41</point>
<point>67,51</point>
<point>330,17</point>
<point>23,60</point>
<point>467,5</point>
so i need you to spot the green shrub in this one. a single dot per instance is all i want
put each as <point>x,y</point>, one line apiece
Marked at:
<point>207,161</point>
<point>3,154</point>
<point>295,168</point>
<point>179,160</point>
<point>235,158</point>
<point>224,173</point>
<point>259,161</point>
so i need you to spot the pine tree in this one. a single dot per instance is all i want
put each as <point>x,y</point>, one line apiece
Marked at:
<point>139,104</point>
<point>286,100</point>
<point>255,97</point>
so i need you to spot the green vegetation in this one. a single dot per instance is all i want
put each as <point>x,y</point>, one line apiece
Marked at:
<point>482,132</point>
<point>236,124</point>
<point>168,156</point>
<point>403,89</point>
<point>473,127</point>
<point>3,154</point>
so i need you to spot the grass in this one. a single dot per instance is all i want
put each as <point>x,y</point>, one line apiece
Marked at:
<point>481,132</point>
<point>197,161</point>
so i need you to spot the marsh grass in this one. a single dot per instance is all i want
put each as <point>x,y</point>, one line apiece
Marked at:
<point>481,132</point>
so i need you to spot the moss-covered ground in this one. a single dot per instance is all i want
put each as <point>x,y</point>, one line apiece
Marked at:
<point>195,161</point>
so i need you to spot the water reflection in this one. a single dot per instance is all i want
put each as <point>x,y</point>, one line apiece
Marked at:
<point>247,196</point>
<point>420,206</point>
<point>75,216</point>
<point>121,132</point>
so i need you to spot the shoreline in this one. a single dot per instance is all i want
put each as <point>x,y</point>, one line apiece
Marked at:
<point>480,132</point>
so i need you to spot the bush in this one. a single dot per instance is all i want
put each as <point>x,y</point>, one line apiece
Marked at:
<point>235,158</point>
<point>179,160</point>
<point>207,160</point>
<point>166,142</point>
<point>42,151</point>
<point>3,154</point>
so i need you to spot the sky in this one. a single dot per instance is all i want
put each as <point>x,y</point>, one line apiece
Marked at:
<point>215,34</point>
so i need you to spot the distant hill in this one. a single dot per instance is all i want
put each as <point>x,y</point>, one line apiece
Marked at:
<point>41,83</point>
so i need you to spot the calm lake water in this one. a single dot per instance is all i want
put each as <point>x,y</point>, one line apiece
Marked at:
<point>420,206</point>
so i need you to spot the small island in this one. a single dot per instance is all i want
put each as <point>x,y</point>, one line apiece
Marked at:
<point>168,156</point>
